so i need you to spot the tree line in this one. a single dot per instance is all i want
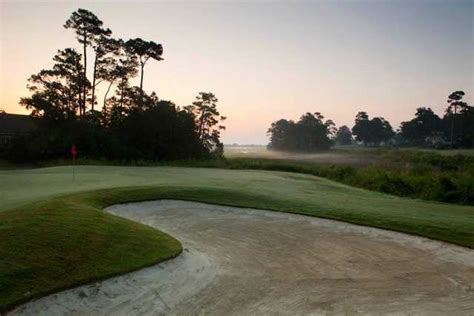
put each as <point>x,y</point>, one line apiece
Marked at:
<point>454,129</point>
<point>131,124</point>
<point>311,133</point>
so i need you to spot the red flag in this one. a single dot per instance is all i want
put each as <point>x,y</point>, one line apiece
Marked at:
<point>73,150</point>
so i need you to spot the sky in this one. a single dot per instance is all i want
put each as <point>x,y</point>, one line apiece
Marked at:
<point>267,60</point>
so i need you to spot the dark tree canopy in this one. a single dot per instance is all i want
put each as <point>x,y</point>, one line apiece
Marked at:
<point>86,25</point>
<point>89,31</point>
<point>343,136</point>
<point>464,136</point>
<point>144,50</point>
<point>422,129</point>
<point>309,134</point>
<point>455,129</point>
<point>149,130</point>
<point>372,132</point>
<point>57,92</point>
<point>455,103</point>
<point>281,134</point>
<point>207,118</point>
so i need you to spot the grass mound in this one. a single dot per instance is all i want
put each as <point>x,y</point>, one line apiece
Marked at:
<point>68,241</point>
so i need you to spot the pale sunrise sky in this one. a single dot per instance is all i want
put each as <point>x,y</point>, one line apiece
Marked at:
<point>267,60</point>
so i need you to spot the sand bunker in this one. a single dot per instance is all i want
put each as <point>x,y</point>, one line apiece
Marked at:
<point>244,261</point>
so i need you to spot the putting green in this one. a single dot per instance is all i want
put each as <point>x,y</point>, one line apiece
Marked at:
<point>18,187</point>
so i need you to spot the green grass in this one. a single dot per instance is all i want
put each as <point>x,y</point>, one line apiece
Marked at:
<point>444,180</point>
<point>67,241</point>
<point>7,165</point>
<point>437,175</point>
<point>54,235</point>
<point>413,173</point>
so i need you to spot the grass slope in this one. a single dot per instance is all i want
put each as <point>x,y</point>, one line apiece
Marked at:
<point>63,242</point>
<point>64,239</point>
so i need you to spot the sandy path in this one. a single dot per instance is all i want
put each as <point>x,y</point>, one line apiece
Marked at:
<point>244,261</point>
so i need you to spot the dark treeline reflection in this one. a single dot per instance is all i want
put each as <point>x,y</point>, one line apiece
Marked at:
<point>311,133</point>
<point>131,125</point>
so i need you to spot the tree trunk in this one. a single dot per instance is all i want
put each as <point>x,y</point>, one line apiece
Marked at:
<point>79,97</point>
<point>141,76</point>
<point>121,93</point>
<point>93,82</point>
<point>84,88</point>
<point>452,127</point>
<point>77,83</point>
<point>107,92</point>
<point>201,125</point>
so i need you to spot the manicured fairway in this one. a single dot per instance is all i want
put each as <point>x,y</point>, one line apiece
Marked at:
<point>43,214</point>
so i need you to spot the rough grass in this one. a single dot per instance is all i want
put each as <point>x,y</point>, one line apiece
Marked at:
<point>338,154</point>
<point>63,238</point>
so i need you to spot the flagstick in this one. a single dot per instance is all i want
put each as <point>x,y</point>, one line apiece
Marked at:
<point>73,168</point>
